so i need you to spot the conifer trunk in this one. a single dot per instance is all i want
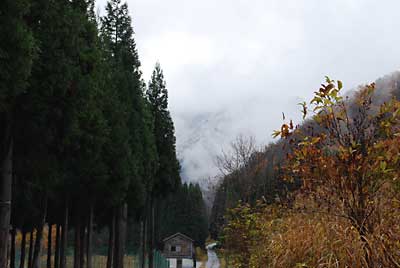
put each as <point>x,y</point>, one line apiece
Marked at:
<point>49,242</point>
<point>116,239</point>
<point>6,152</point>
<point>141,244</point>
<point>144,238</point>
<point>111,240</point>
<point>156,221</point>
<point>39,236</point>
<point>123,233</point>
<point>77,244</point>
<point>23,250</point>
<point>37,247</point>
<point>120,236</point>
<point>30,255</point>
<point>151,233</point>
<point>57,247</point>
<point>12,250</point>
<point>89,238</point>
<point>8,249</point>
<point>82,252</point>
<point>63,260</point>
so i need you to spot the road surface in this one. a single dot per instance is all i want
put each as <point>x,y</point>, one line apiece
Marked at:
<point>213,261</point>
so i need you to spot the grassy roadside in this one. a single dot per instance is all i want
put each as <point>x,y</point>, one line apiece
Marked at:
<point>223,259</point>
<point>201,256</point>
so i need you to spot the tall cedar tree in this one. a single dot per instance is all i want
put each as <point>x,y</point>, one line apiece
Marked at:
<point>87,131</point>
<point>16,54</point>
<point>131,155</point>
<point>167,177</point>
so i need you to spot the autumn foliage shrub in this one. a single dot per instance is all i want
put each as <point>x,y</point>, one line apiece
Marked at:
<point>346,213</point>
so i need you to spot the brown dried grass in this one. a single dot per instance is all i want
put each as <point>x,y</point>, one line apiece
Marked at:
<point>289,238</point>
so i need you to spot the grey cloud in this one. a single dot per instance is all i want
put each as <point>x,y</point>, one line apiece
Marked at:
<point>232,66</point>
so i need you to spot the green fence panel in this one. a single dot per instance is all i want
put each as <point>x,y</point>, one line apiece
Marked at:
<point>159,261</point>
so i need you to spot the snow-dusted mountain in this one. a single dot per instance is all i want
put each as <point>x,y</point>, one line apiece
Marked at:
<point>203,135</point>
<point>199,139</point>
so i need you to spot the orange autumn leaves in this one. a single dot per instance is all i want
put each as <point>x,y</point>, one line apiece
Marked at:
<point>348,158</point>
<point>346,211</point>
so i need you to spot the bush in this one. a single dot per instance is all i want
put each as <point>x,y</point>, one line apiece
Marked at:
<point>278,237</point>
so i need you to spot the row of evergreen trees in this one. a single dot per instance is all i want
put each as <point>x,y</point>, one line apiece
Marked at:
<point>84,142</point>
<point>183,211</point>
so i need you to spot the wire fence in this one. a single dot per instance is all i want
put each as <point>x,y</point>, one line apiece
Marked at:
<point>159,261</point>
<point>99,261</point>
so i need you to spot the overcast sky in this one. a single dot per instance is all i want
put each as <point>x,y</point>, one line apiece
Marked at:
<point>233,66</point>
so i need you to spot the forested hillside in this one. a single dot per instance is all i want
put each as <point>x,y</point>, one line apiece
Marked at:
<point>254,175</point>
<point>87,152</point>
<point>326,194</point>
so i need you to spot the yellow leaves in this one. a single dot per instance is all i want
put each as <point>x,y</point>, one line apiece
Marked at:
<point>325,89</point>
<point>383,165</point>
<point>291,127</point>
<point>315,140</point>
<point>276,133</point>
<point>396,113</point>
<point>316,100</point>
<point>284,132</point>
<point>370,88</point>
<point>340,84</point>
<point>309,141</point>
<point>304,109</point>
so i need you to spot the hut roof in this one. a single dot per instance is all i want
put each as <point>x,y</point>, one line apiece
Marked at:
<point>178,234</point>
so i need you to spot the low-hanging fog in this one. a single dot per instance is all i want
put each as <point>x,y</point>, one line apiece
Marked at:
<point>233,66</point>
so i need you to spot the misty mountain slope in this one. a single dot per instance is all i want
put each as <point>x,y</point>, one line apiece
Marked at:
<point>264,179</point>
<point>202,138</point>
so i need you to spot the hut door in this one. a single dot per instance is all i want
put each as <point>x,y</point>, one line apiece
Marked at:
<point>179,263</point>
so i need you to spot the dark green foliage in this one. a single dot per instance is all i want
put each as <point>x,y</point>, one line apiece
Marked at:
<point>17,50</point>
<point>90,144</point>
<point>131,136</point>
<point>167,177</point>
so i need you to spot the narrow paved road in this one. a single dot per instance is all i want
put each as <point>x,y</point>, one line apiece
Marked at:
<point>213,261</point>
